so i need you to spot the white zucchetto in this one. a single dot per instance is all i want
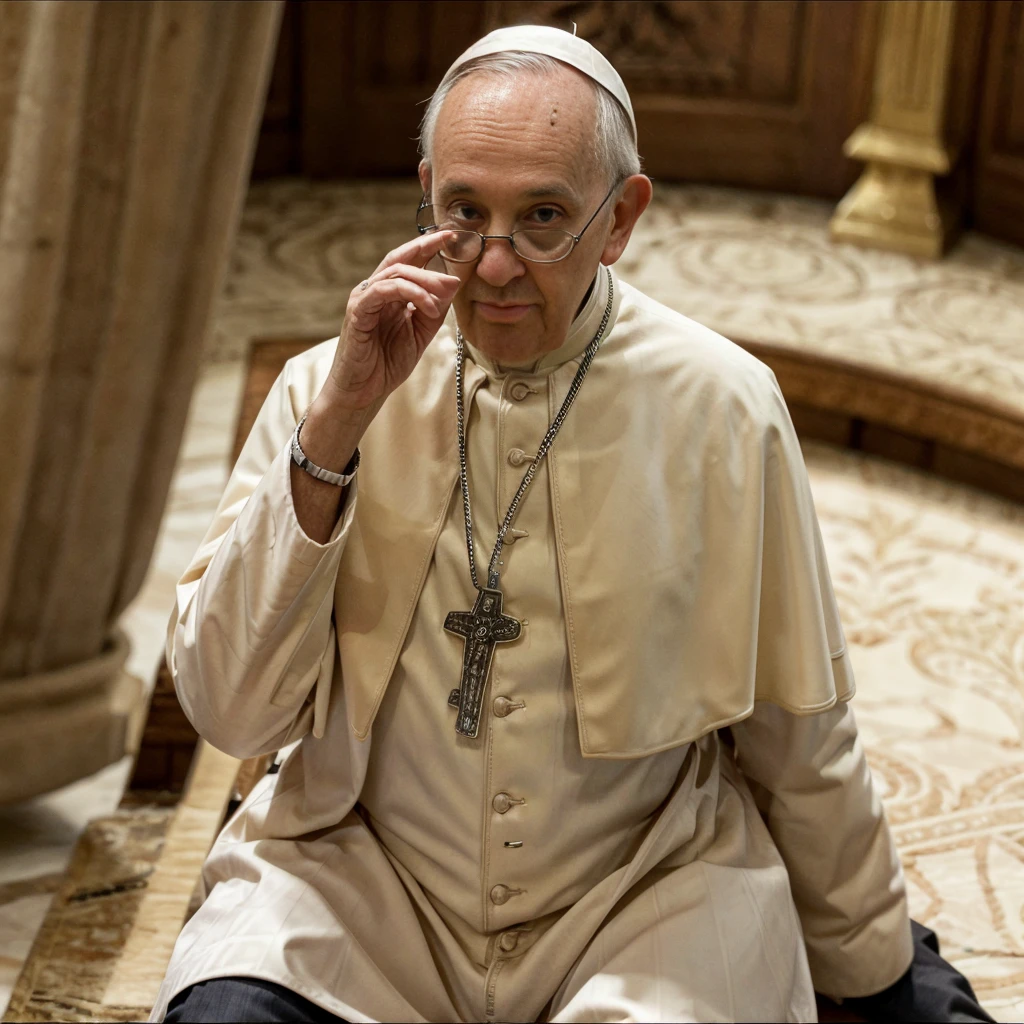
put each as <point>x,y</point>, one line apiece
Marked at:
<point>553,42</point>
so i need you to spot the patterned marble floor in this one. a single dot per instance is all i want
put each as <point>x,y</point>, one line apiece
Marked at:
<point>930,575</point>
<point>930,582</point>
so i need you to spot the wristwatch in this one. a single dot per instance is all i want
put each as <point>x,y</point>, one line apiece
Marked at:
<point>300,460</point>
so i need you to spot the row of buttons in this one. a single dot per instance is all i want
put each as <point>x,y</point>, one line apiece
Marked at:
<point>504,706</point>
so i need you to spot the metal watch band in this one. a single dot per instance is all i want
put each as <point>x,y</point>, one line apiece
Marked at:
<point>300,460</point>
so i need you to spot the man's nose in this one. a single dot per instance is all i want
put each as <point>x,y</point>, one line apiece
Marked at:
<point>499,263</point>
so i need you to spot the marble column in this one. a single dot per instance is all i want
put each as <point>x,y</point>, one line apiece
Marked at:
<point>126,136</point>
<point>894,205</point>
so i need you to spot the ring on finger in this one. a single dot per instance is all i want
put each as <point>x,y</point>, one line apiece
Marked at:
<point>364,285</point>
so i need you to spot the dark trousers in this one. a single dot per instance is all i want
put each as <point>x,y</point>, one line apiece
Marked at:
<point>931,990</point>
<point>221,1000</point>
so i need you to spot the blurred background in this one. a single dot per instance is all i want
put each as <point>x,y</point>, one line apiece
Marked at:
<point>189,190</point>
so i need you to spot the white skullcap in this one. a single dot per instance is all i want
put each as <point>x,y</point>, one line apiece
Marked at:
<point>557,43</point>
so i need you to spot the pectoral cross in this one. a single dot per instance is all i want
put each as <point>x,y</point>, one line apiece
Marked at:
<point>481,629</point>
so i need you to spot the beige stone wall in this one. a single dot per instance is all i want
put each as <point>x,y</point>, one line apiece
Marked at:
<point>126,136</point>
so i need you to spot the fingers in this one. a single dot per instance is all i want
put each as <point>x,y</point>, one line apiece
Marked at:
<point>380,291</point>
<point>429,291</point>
<point>418,253</point>
<point>402,277</point>
<point>442,286</point>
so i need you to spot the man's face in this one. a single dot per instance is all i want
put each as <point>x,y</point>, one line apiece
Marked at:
<point>509,155</point>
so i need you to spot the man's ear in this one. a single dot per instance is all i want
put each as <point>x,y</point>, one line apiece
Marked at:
<point>635,197</point>
<point>424,173</point>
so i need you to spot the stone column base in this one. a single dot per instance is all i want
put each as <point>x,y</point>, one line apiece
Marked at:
<point>56,727</point>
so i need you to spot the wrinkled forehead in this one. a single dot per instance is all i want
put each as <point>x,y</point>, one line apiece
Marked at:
<point>518,131</point>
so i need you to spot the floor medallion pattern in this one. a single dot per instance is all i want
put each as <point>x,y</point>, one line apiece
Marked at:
<point>930,582</point>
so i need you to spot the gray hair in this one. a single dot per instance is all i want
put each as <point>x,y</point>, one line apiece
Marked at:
<point>613,147</point>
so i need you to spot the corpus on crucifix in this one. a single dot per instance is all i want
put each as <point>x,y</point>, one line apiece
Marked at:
<point>481,628</point>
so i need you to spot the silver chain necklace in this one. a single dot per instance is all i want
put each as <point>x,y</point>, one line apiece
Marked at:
<point>485,625</point>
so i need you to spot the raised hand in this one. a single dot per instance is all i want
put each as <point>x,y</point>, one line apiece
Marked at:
<point>390,319</point>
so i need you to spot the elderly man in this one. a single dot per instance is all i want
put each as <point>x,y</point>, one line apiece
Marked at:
<point>581,754</point>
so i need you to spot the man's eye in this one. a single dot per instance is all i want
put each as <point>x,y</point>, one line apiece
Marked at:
<point>463,213</point>
<point>545,215</point>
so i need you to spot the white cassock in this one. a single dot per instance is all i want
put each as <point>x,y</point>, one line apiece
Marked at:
<point>666,815</point>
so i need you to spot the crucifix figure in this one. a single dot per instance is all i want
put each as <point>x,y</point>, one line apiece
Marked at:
<point>481,629</point>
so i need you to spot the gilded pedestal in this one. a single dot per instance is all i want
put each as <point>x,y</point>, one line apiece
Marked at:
<point>894,204</point>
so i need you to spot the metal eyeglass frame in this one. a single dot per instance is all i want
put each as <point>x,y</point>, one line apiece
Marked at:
<point>511,238</point>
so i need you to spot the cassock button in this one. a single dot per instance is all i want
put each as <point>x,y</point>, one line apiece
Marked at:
<point>520,390</point>
<point>500,894</point>
<point>516,457</point>
<point>502,802</point>
<point>509,941</point>
<point>503,706</point>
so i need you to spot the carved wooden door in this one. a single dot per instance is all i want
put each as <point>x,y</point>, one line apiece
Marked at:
<point>368,66</point>
<point>998,193</point>
<point>758,93</point>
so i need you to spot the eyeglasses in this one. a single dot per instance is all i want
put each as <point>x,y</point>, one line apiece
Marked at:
<point>538,245</point>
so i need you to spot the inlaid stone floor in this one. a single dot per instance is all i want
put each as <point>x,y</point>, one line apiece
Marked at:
<point>929,574</point>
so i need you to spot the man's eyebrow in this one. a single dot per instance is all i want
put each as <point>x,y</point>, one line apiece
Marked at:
<point>552,192</point>
<point>449,190</point>
<point>454,188</point>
